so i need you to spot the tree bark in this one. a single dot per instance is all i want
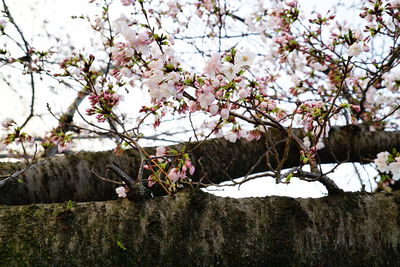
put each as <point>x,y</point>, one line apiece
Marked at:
<point>216,160</point>
<point>194,228</point>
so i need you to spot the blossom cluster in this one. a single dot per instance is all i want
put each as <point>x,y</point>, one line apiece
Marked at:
<point>121,191</point>
<point>389,164</point>
<point>16,135</point>
<point>168,168</point>
<point>102,104</point>
<point>62,141</point>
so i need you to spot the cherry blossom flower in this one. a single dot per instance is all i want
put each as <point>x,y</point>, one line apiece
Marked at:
<point>161,151</point>
<point>74,71</point>
<point>214,109</point>
<point>396,3</point>
<point>244,57</point>
<point>306,142</point>
<point>63,146</point>
<point>127,2</point>
<point>320,144</point>
<point>3,24</point>
<point>394,168</point>
<point>381,161</point>
<point>2,144</point>
<point>189,165</point>
<point>126,72</point>
<point>7,122</point>
<point>206,99</point>
<point>230,70</point>
<point>173,175</point>
<point>151,181</point>
<point>231,137</point>
<point>244,92</point>
<point>354,50</point>
<point>121,191</point>
<point>225,113</point>
<point>213,65</point>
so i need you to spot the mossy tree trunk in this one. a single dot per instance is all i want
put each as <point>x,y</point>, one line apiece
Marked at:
<point>216,160</point>
<point>194,228</point>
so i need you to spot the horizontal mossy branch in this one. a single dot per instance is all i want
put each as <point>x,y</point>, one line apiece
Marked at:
<point>194,228</point>
<point>216,160</point>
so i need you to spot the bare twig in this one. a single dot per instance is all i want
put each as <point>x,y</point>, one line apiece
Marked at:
<point>20,172</point>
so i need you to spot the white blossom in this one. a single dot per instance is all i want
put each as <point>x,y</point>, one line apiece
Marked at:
<point>214,109</point>
<point>320,145</point>
<point>306,142</point>
<point>354,50</point>
<point>231,137</point>
<point>126,72</point>
<point>121,191</point>
<point>7,122</point>
<point>394,168</point>
<point>206,99</point>
<point>244,58</point>
<point>160,151</point>
<point>381,161</point>
<point>225,113</point>
<point>2,145</point>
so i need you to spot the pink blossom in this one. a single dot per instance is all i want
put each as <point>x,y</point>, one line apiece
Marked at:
<point>306,142</point>
<point>214,109</point>
<point>370,96</point>
<point>320,144</point>
<point>7,122</point>
<point>2,145</point>
<point>231,137</point>
<point>160,151</point>
<point>206,99</point>
<point>121,191</point>
<point>354,50</point>
<point>381,161</point>
<point>172,9</point>
<point>192,106</point>
<point>225,113</point>
<point>355,108</point>
<point>189,165</point>
<point>63,146</point>
<point>244,57</point>
<point>3,23</point>
<point>191,169</point>
<point>253,135</point>
<point>150,181</point>
<point>126,72</point>
<point>173,175</point>
<point>74,71</point>
<point>230,71</point>
<point>243,93</point>
<point>394,168</point>
<point>213,65</point>
<point>127,2</point>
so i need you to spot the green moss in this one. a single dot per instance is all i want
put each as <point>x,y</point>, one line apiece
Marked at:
<point>197,229</point>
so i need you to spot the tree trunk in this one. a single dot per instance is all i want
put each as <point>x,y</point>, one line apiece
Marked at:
<point>216,160</point>
<point>194,228</point>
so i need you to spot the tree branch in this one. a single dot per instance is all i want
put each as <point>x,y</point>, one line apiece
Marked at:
<point>70,177</point>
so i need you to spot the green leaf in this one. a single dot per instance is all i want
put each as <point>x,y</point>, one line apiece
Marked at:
<point>287,180</point>
<point>119,244</point>
<point>69,204</point>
